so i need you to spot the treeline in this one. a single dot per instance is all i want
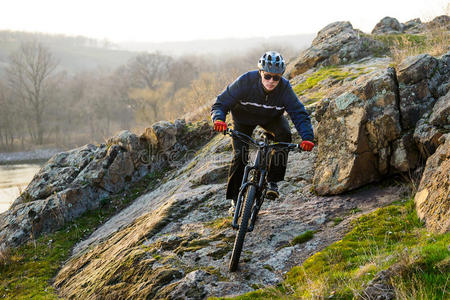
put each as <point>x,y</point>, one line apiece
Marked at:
<point>9,36</point>
<point>41,105</point>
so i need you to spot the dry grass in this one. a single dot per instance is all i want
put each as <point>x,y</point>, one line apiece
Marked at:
<point>5,256</point>
<point>434,42</point>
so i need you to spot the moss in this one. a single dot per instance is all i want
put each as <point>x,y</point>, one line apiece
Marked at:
<point>337,220</point>
<point>220,223</point>
<point>302,238</point>
<point>378,240</point>
<point>269,268</point>
<point>312,81</point>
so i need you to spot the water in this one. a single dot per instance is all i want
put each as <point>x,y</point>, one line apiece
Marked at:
<point>13,179</point>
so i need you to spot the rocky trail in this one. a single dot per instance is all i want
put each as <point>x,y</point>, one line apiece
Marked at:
<point>193,242</point>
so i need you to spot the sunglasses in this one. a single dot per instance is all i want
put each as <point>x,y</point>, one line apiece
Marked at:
<point>275,77</point>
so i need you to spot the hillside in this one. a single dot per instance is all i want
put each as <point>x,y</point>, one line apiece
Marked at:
<point>365,215</point>
<point>75,54</point>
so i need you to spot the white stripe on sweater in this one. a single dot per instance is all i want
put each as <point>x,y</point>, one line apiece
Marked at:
<point>262,105</point>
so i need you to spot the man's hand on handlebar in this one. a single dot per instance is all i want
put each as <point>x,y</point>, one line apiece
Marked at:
<point>220,126</point>
<point>307,145</point>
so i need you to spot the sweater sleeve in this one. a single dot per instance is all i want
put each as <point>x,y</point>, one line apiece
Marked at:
<point>229,98</point>
<point>298,114</point>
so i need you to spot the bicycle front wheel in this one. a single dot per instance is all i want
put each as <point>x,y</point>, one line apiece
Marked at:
<point>239,241</point>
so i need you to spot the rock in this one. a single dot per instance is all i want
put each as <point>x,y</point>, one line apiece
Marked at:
<point>388,25</point>
<point>432,199</point>
<point>162,135</point>
<point>432,126</point>
<point>420,81</point>
<point>355,134</point>
<point>413,26</point>
<point>440,22</point>
<point>335,44</point>
<point>405,155</point>
<point>440,117</point>
<point>380,287</point>
<point>426,137</point>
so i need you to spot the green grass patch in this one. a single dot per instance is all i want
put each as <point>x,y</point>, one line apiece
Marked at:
<point>26,272</point>
<point>389,236</point>
<point>302,238</point>
<point>337,220</point>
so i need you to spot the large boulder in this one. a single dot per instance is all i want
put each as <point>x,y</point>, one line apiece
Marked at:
<point>388,25</point>
<point>422,80</point>
<point>432,199</point>
<point>356,135</point>
<point>335,44</point>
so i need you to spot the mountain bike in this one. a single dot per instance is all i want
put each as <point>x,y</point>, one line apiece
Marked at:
<point>253,188</point>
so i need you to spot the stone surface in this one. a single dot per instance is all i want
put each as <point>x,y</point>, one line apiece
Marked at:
<point>422,80</point>
<point>388,25</point>
<point>355,134</point>
<point>76,181</point>
<point>337,43</point>
<point>433,196</point>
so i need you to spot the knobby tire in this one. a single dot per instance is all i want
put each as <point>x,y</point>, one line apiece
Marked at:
<point>239,241</point>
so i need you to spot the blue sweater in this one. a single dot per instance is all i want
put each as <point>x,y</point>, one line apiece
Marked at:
<point>250,105</point>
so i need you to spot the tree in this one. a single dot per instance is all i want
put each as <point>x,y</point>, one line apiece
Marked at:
<point>30,73</point>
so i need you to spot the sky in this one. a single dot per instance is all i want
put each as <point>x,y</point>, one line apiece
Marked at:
<point>178,20</point>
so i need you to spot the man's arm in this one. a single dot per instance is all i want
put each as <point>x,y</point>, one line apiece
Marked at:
<point>229,98</point>
<point>298,114</point>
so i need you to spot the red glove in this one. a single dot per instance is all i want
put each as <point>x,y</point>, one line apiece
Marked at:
<point>307,145</point>
<point>220,125</point>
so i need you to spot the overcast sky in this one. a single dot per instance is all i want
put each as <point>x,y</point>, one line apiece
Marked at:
<point>173,20</point>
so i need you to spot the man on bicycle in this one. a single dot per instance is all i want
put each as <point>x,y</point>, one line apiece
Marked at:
<point>261,97</point>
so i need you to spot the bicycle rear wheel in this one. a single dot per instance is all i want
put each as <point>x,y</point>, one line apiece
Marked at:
<point>239,241</point>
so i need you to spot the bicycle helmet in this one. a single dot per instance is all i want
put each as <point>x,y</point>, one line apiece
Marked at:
<point>272,62</point>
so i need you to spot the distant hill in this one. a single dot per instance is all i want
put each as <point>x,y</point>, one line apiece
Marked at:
<point>220,46</point>
<point>75,53</point>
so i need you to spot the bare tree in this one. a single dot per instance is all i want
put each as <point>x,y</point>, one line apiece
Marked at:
<point>29,73</point>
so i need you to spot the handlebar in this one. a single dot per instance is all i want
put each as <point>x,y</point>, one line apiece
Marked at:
<point>245,138</point>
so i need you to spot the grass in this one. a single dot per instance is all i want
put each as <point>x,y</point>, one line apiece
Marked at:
<point>434,42</point>
<point>26,272</point>
<point>390,236</point>
<point>302,238</point>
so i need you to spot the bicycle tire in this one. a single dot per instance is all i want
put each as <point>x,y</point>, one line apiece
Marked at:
<point>240,235</point>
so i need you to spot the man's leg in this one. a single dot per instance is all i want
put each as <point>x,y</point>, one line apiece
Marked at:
<point>282,132</point>
<point>240,158</point>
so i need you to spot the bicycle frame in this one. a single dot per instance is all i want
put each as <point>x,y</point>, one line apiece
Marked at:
<point>260,165</point>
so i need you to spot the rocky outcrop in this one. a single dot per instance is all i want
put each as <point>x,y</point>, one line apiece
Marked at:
<point>433,196</point>
<point>337,43</point>
<point>76,181</point>
<point>388,25</point>
<point>369,130</point>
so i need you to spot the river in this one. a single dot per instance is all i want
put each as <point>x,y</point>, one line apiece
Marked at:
<point>13,179</point>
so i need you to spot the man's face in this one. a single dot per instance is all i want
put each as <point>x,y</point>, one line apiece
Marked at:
<point>270,84</point>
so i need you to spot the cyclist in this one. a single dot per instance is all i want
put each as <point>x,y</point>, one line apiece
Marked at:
<point>261,97</point>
